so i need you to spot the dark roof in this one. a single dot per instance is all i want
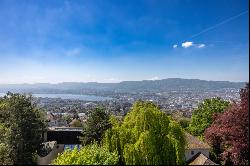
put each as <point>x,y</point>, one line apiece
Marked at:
<point>64,137</point>
<point>195,143</point>
<point>200,159</point>
<point>52,114</point>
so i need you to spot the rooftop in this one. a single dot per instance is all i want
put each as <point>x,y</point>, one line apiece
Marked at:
<point>200,159</point>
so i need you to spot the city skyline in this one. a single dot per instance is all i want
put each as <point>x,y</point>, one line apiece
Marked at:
<point>114,41</point>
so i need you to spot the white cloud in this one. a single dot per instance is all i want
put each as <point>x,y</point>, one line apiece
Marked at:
<point>175,46</point>
<point>200,45</point>
<point>187,44</point>
<point>190,44</point>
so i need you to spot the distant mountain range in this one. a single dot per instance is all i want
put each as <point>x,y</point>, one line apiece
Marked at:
<point>125,86</point>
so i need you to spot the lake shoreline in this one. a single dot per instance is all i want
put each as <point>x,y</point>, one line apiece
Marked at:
<point>67,96</point>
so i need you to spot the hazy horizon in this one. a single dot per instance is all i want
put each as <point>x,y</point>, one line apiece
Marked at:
<point>112,41</point>
<point>123,81</point>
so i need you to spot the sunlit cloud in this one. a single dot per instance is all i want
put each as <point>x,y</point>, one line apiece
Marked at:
<point>187,44</point>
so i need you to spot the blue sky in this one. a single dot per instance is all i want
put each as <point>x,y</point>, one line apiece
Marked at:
<point>116,40</point>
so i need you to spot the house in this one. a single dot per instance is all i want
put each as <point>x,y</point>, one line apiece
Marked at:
<point>197,152</point>
<point>51,119</point>
<point>82,117</point>
<point>200,159</point>
<point>55,120</point>
<point>75,123</point>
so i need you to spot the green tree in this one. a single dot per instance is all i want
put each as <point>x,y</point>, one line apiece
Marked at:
<point>184,122</point>
<point>91,154</point>
<point>95,126</point>
<point>24,120</point>
<point>181,119</point>
<point>202,117</point>
<point>146,136</point>
<point>5,153</point>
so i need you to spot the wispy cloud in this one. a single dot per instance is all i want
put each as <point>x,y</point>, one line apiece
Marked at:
<point>175,46</point>
<point>200,45</point>
<point>187,44</point>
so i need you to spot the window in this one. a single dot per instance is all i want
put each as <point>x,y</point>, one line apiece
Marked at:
<point>192,152</point>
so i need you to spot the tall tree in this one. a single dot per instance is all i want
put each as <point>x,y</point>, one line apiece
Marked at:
<point>229,133</point>
<point>95,126</point>
<point>202,117</point>
<point>5,152</point>
<point>146,136</point>
<point>24,120</point>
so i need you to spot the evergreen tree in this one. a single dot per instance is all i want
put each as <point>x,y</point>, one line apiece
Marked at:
<point>24,120</point>
<point>5,151</point>
<point>95,126</point>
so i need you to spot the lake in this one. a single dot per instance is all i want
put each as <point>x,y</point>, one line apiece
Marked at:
<point>70,96</point>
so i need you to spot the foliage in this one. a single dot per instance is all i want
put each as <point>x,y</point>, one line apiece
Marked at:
<point>24,121</point>
<point>146,136</point>
<point>202,117</point>
<point>5,153</point>
<point>95,126</point>
<point>184,122</point>
<point>181,119</point>
<point>88,155</point>
<point>229,133</point>
<point>67,118</point>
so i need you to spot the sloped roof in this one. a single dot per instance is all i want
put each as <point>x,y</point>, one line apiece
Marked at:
<point>195,143</point>
<point>200,159</point>
<point>74,121</point>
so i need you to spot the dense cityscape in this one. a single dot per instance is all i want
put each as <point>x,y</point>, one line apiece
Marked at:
<point>184,101</point>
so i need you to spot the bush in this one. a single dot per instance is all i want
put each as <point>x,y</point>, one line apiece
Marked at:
<point>88,155</point>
